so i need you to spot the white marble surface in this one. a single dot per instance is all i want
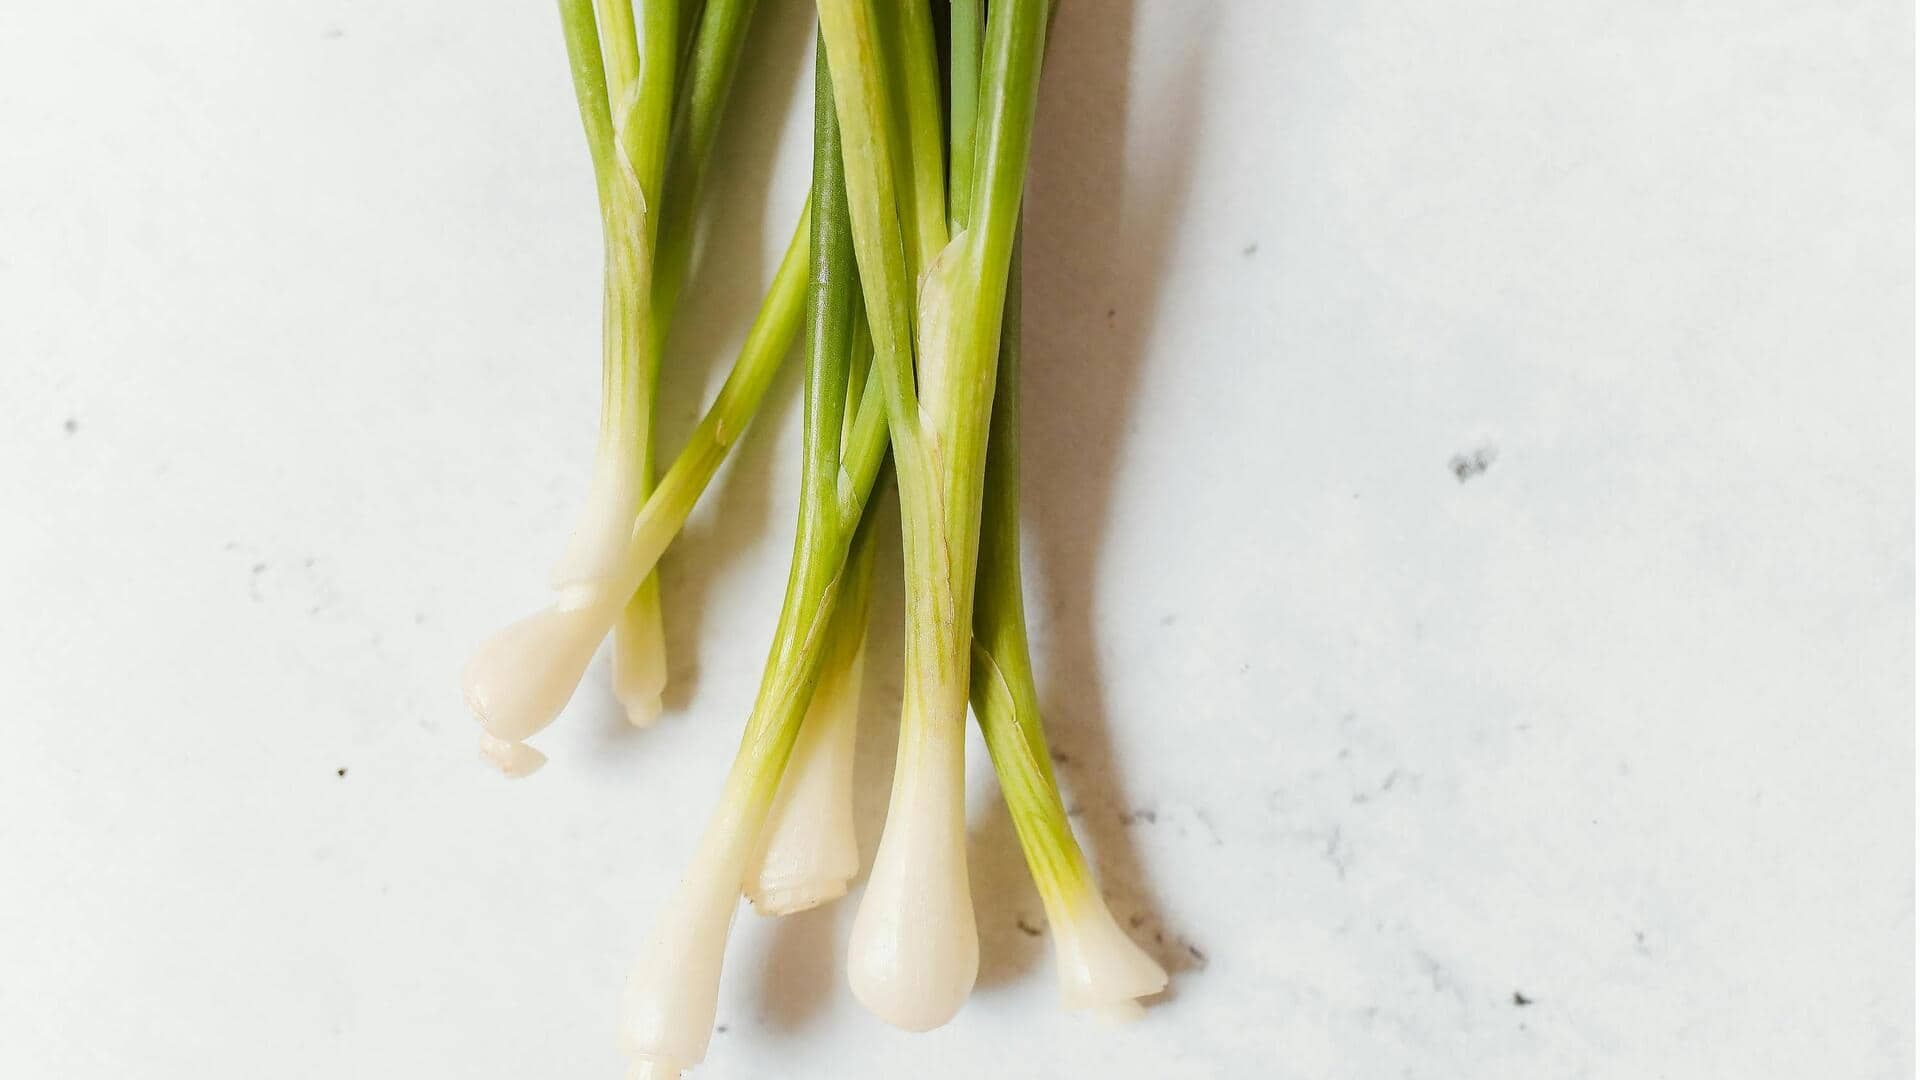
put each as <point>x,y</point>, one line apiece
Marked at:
<point>1597,763</point>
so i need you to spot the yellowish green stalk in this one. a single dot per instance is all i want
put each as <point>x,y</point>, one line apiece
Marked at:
<point>911,74</point>
<point>963,82</point>
<point>808,851</point>
<point>671,185</point>
<point>667,1015</point>
<point>718,36</point>
<point>1098,965</point>
<point>522,676</point>
<point>624,82</point>
<point>914,951</point>
<point>633,95</point>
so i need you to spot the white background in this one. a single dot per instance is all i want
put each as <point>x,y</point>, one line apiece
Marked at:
<point>298,321</point>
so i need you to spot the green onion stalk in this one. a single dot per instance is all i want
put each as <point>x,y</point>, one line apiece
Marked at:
<point>914,951</point>
<point>624,81</point>
<point>1099,967</point>
<point>520,680</point>
<point>808,851</point>
<point>668,1009</point>
<point>710,58</point>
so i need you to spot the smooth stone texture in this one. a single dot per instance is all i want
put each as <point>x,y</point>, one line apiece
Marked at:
<point>1471,547</point>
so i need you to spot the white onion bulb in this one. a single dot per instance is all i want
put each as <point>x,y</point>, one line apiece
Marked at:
<point>915,952</point>
<point>808,851</point>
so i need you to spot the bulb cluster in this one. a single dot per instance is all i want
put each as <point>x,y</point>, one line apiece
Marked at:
<point>904,271</point>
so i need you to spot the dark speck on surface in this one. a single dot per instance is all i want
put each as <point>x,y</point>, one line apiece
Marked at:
<point>1249,250</point>
<point>719,1029</point>
<point>1521,999</point>
<point>72,425</point>
<point>1166,620</point>
<point>1175,951</point>
<point>1131,816</point>
<point>1027,928</point>
<point>1060,757</point>
<point>341,771</point>
<point>1467,465</point>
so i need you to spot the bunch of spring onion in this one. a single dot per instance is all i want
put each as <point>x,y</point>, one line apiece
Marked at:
<point>907,256</point>
<point>651,93</point>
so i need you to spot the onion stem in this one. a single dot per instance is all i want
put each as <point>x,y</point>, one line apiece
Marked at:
<point>520,678</point>
<point>1097,964</point>
<point>905,271</point>
<point>914,951</point>
<point>714,41</point>
<point>665,139</point>
<point>808,851</point>
<point>963,99</point>
<point>667,1015</point>
<point>624,89</point>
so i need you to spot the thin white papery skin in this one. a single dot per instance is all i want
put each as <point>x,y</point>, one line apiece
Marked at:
<point>666,1015</point>
<point>521,677</point>
<point>1100,967</point>
<point>939,322</point>
<point>639,661</point>
<point>515,759</point>
<point>914,951</point>
<point>593,550</point>
<point>615,492</point>
<point>808,852</point>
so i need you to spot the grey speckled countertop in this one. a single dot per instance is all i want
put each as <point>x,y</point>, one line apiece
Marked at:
<point>1471,516</point>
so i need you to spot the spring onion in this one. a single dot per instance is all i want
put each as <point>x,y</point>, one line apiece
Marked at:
<point>914,951</point>
<point>808,853</point>
<point>639,642</point>
<point>520,678</point>
<point>623,76</point>
<point>667,1013</point>
<point>649,161</point>
<point>1099,967</point>
<point>905,270</point>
